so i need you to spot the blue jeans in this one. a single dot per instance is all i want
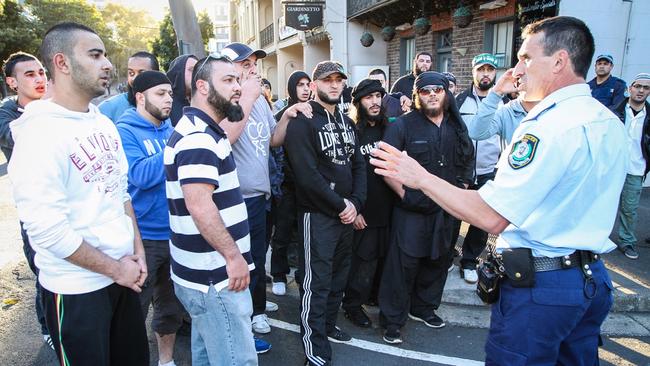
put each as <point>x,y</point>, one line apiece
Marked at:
<point>221,326</point>
<point>256,209</point>
<point>630,197</point>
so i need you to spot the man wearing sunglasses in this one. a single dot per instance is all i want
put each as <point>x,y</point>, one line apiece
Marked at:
<point>416,266</point>
<point>634,112</point>
<point>251,139</point>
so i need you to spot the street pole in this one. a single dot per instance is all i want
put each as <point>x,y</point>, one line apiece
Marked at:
<point>186,25</point>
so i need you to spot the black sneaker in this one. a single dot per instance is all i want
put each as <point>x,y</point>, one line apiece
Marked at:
<point>392,335</point>
<point>358,317</point>
<point>630,252</point>
<point>338,336</point>
<point>431,321</point>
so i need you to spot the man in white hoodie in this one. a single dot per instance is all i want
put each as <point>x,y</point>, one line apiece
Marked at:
<point>69,174</point>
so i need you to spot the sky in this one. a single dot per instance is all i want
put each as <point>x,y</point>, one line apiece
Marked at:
<point>156,8</point>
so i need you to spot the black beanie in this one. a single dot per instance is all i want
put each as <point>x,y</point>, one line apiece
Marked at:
<point>148,79</point>
<point>366,87</point>
<point>431,78</point>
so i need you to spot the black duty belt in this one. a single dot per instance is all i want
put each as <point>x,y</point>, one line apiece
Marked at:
<point>575,259</point>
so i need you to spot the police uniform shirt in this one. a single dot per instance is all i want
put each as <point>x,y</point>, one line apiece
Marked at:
<point>560,181</point>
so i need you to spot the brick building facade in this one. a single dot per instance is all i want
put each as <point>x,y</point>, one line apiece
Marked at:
<point>465,42</point>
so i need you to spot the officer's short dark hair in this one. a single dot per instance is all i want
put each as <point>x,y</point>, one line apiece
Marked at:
<point>15,58</point>
<point>60,39</point>
<point>152,59</point>
<point>569,34</point>
<point>203,69</point>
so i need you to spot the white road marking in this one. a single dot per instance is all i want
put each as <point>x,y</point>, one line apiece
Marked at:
<point>389,350</point>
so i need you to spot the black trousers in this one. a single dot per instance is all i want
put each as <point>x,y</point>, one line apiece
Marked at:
<point>325,263</point>
<point>410,284</point>
<point>29,255</point>
<point>285,223</point>
<point>476,239</point>
<point>367,255</point>
<point>100,328</point>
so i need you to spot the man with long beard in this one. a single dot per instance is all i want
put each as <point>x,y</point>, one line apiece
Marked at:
<point>330,181</point>
<point>210,242</point>
<point>372,222</point>
<point>144,131</point>
<point>487,154</point>
<point>420,249</point>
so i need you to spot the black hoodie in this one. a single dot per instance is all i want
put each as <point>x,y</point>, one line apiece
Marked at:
<point>176,75</point>
<point>294,78</point>
<point>328,165</point>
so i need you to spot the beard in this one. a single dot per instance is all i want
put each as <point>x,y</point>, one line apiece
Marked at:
<point>223,106</point>
<point>325,98</point>
<point>482,85</point>
<point>431,111</point>
<point>84,80</point>
<point>376,118</point>
<point>156,112</point>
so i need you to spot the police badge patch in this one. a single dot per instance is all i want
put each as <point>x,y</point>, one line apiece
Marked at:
<point>523,151</point>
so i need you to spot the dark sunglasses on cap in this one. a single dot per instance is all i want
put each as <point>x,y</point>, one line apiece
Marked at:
<point>214,56</point>
<point>428,89</point>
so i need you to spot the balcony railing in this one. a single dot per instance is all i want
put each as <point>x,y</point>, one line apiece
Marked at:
<point>266,36</point>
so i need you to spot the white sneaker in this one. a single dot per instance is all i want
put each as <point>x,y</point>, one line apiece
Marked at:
<point>261,324</point>
<point>470,275</point>
<point>271,306</point>
<point>279,288</point>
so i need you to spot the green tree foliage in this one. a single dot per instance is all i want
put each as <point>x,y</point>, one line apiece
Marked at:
<point>16,32</point>
<point>165,45</point>
<point>132,31</point>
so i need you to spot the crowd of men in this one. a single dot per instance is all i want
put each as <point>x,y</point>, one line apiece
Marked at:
<point>171,193</point>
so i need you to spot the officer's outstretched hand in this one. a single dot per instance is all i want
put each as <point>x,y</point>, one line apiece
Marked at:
<point>398,166</point>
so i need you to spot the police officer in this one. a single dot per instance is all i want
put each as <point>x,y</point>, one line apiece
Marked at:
<point>420,246</point>
<point>554,197</point>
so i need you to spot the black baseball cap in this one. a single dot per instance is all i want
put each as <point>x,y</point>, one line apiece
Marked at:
<point>238,52</point>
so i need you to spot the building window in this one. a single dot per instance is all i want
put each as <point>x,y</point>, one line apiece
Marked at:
<point>443,50</point>
<point>499,42</point>
<point>407,54</point>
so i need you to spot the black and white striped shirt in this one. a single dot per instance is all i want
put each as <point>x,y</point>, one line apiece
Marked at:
<point>198,151</point>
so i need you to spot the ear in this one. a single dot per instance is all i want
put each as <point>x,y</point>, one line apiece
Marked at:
<point>562,61</point>
<point>12,82</point>
<point>61,63</point>
<point>202,87</point>
<point>313,87</point>
<point>139,99</point>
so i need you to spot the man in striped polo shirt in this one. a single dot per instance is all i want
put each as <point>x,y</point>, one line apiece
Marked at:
<point>210,241</point>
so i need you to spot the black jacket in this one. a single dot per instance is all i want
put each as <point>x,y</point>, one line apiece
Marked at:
<point>327,164</point>
<point>420,227</point>
<point>619,110</point>
<point>176,75</point>
<point>9,111</point>
<point>404,85</point>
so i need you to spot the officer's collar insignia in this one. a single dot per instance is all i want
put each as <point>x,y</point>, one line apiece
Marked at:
<point>523,151</point>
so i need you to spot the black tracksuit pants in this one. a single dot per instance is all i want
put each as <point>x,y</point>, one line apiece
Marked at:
<point>325,263</point>
<point>284,225</point>
<point>411,284</point>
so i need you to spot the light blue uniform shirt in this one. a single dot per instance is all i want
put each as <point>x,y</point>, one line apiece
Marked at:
<point>493,118</point>
<point>560,181</point>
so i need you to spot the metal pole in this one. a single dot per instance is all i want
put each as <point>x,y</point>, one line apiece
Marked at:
<point>187,29</point>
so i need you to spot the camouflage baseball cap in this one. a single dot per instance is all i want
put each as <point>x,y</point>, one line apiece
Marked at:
<point>326,68</point>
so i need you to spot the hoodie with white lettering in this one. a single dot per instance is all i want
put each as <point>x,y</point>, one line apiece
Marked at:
<point>144,144</point>
<point>326,161</point>
<point>69,176</point>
